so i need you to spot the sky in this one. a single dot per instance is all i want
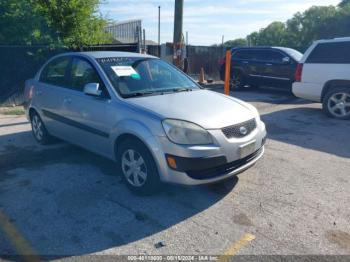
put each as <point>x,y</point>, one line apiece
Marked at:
<point>207,20</point>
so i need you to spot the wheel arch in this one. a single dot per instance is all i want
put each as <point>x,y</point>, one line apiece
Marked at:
<point>128,136</point>
<point>31,112</point>
<point>131,129</point>
<point>333,84</point>
<point>150,144</point>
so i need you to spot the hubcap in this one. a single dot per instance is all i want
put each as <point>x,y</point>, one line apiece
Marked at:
<point>134,168</point>
<point>339,104</point>
<point>236,81</point>
<point>37,127</point>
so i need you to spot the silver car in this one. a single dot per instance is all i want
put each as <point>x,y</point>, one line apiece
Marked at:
<point>156,122</point>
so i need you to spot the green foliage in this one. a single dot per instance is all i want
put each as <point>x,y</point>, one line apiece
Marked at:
<point>70,23</point>
<point>344,3</point>
<point>20,23</point>
<point>318,22</point>
<point>235,43</point>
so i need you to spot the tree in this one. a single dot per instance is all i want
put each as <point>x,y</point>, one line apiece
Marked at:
<point>274,34</point>
<point>21,23</point>
<point>70,23</point>
<point>344,3</point>
<point>318,22</point>
<point>235,43</point>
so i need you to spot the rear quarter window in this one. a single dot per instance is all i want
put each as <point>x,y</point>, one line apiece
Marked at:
<point>330,53</point>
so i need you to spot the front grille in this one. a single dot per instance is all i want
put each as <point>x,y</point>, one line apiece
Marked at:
<point>235,130</point>
<point>223,169</point>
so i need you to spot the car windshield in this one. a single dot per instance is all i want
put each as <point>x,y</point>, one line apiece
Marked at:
<point>137,76</point>
<point>294,53</point>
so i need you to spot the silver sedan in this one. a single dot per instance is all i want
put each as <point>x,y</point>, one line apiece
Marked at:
<point>149,117</point>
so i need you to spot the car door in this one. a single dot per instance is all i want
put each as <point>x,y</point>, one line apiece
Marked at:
<point>277,69</point>
<point>89,118</point>
<point>49,94</point>
<point>246,61</point>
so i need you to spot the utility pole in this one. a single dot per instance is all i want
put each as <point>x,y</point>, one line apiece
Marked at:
<point>144,41</point>
<point>159,25</point>
<point>178,41</point>
<point>159,31</point>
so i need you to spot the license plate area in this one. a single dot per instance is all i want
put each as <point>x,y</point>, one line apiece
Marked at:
<point>247,149</point>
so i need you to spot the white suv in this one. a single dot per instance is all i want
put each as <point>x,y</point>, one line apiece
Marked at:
<point>323,75</point>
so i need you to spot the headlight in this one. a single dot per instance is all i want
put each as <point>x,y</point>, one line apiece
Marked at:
<point>186,133</point>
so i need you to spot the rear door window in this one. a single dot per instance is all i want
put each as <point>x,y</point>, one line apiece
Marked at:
<point>330,53</point>
<point>244,55</point>
<point>271,56</point>
<point>55,72</point>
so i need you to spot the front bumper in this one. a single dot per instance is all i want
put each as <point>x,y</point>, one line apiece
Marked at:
<point>208,164</point>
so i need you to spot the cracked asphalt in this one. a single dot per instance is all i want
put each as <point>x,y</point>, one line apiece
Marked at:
<point>65,201</point>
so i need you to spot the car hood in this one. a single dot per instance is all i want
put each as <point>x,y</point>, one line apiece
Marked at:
<point>208,109</point>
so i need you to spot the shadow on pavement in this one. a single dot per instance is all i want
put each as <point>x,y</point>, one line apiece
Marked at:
<point>66,202</point>
<point>309,128</point>
<point>263,94</point>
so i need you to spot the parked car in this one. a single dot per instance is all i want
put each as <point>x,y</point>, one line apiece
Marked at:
<point>262,66</point>
<point>152,119</point>
<point>323,75</point>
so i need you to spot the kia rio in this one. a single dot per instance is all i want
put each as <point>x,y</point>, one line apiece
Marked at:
<point>153,120</point>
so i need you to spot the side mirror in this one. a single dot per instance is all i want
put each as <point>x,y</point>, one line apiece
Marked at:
<point>286,60</point>
<point>92,89</point>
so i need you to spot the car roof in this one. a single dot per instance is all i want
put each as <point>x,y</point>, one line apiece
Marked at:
<point>260,47</point>
<point>339,39</point>
<point>106,54</point>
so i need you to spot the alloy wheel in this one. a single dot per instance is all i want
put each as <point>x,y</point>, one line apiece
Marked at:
<point>37,127</point>
<point>134,168</point>
<point>339,104</point>
<point>236,81</point>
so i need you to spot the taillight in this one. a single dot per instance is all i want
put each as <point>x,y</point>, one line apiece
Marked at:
<point>221,61</point>
<point>298,73</point>
<point>31,92</point>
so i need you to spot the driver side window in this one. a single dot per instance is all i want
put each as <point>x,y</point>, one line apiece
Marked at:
<point>82,73</point>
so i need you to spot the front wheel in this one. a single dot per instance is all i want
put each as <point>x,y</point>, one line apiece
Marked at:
<point>138,167</point>
<point>336,103</point>
<point>237,81</point>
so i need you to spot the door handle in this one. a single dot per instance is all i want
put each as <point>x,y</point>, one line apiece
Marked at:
<point>268,64</point>
<point>39,93</point>
<point>245,62</point>
<point>67,100</point>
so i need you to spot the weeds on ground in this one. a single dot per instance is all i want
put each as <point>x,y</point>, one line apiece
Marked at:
<point>17,110</point>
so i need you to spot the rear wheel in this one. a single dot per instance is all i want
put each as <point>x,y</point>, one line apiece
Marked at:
<point>138,167</point>
<point>237,80</point>
<point>336,103</point>
<point>39,131</point>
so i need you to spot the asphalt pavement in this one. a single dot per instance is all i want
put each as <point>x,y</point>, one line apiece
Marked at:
<point>64,201</point>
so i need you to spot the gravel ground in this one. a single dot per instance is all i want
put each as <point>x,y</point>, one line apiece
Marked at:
<point>64,201</point>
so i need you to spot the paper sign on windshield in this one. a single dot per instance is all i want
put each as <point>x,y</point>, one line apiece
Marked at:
<point>125,71</point>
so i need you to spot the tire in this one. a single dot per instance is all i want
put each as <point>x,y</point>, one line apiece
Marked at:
<point>138,168</point>
<point>237,80</point>
<point>39,130</point>
<point>336,103</point>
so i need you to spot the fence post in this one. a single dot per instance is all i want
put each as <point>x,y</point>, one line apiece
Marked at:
<point>227,72</point>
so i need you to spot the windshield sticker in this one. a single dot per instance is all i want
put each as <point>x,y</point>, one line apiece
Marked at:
<point>125,71</point>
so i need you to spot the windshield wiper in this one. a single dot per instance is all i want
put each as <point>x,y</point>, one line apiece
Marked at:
<point>137,94</point>
<point>183,89</point>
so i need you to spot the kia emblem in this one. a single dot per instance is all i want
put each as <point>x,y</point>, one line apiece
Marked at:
<point>243,130</point>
